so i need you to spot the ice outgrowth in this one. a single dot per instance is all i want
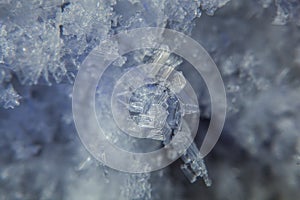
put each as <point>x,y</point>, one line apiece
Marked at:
<point>194,166</point>
<point>256,47</point>
<point>156,107</point>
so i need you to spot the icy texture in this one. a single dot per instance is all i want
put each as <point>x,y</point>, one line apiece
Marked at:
<point>177,82</point>
<point>210,6</point>
<point>42,42</point>
<point>83,25</point>
<point>52,38</point>
<point>148,109</point>
<point>194,166</point>
<point>151,105</point>
<point>146,112</point>
<point>9,98</point>
<point>31,43</point>
<point>47,43</point>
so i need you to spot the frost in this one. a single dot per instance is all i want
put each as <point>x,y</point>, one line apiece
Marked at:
<point>49,42</point>
<point>154,107</point>
<point>210,6</point>
<point>177,83</point>
<point>44,42</point>
<point>9,97</point>
<point>30,48</point>
<point>194,166</point>
<point>54,38</point>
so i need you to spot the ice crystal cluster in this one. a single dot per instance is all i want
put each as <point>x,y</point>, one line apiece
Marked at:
<point>256,46</point>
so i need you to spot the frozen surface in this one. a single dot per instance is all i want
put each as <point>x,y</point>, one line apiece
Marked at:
<point>255,44</point>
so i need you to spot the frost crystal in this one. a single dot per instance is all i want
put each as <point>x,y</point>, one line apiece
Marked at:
<point>43,42</point>
<point>8,97</point>
<point>49,42</point>
<point>32,51</point>
<point>210,6</point>
<point>156,106</point>
<point>194,166</point>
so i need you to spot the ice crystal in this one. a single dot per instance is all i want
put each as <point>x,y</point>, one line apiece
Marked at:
<point>194,166</point>
<point>9,97</point>
<point>148,106</point>
<point>210,6</point>
<point>46,41</point>
<point>50,41</point>
<point>32,50</point>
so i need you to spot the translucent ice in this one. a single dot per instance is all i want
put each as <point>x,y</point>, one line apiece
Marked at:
<point>194,166</point>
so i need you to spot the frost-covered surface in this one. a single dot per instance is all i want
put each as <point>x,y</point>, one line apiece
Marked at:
<point>255,44</point>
